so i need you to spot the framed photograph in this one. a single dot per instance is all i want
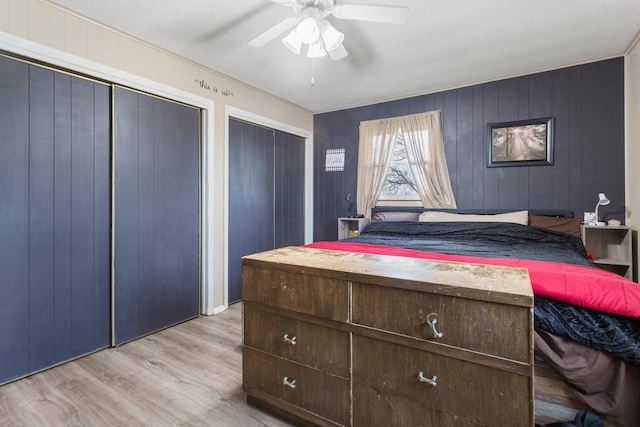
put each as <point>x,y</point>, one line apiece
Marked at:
<point>521,143</point>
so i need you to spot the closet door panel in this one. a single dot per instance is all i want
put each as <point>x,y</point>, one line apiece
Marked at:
<point>62,219</point>
<point>266,194</point>
<point>126,246</point>
<point>81,218</point>
<point>251,197</point>
<point>150,283</point>
<point>181,183</point>
<point>41,214</point>
<point>55,293</point>
<point>157,214</point>
<point>101,303</point>
<point>289,190</point>
<point>14,211</point>
<point>89,201</point>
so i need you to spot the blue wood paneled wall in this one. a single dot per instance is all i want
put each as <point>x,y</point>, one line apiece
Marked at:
<point>587,102</point>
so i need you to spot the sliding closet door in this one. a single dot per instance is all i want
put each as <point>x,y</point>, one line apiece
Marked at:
<point>156,237</point>
<point>266,194</point>
<point>251,197</point>
<point>54,211</point>
<point>289,190</point>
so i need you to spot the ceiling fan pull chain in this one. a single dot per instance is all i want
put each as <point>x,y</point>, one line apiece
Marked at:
<point>313,80</point>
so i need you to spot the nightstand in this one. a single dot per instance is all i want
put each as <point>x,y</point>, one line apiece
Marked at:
<point>351,227</point>
<point>611,247</point>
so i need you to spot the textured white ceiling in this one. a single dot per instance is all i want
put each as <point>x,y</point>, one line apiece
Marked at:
<point>444,44</point>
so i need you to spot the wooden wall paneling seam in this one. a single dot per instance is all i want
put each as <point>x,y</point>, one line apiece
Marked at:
<point>591,137</point>
<point>560,110</point>
<point>479,157</point>
<point>574,142</point>
<point>491,175</point>
<point>613,113</point>
<point>449,134</point>
<point>507,111</point>
<point>464,146</point>
<point>524,101</point>
<point>540,94</point>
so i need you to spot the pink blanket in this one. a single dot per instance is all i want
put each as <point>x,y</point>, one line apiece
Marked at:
<point>582,286</point>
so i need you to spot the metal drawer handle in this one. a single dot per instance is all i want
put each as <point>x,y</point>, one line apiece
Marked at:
<point>432,320</point>
<point>291,341</point>
<point>291,383</point>
<point>431,381</point>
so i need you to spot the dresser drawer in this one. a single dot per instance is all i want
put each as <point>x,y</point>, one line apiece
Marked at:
<point>488,327</point>
<point>314,295</point>
<point>317,392</point>
<point>388,391</point>
<point>312,345</point>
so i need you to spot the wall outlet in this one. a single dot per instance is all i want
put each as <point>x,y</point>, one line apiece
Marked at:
<point>590,217</point>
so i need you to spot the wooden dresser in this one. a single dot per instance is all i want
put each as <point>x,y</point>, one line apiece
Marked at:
<point>346,339</point>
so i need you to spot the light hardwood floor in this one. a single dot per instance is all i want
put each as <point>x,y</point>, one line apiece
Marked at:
<point>187,375</point>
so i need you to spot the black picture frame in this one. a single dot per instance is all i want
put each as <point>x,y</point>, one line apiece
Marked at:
<point>521,143</point>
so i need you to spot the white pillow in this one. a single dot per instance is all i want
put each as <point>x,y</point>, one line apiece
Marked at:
<point>520,217</point>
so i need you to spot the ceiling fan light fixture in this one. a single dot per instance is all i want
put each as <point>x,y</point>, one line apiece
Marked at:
<point>308,30</point>
<point>331,37</point>
<point>293,42</point>
<point>311,28</point>
<point>338,53</point>
<point>316,50</point>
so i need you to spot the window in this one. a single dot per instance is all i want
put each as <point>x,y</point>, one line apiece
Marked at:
<point>392,142</point>
<point>400,183</point>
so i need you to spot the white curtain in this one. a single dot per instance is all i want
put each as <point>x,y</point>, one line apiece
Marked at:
<point>425,151</point>
<point>375,152</point>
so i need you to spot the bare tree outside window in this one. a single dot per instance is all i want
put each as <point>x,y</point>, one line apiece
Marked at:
<point>400,184</point>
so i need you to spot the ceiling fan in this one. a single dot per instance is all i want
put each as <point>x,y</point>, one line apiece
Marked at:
<point>310,27</point>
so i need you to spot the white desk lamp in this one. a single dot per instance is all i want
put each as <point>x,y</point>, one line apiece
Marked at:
<point>602,200</point>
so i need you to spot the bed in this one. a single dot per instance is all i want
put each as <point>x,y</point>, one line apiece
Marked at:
<point>587,327</point>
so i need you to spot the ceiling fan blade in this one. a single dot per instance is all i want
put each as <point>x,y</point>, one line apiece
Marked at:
<point>371,12</point>
<point>338,53</point>
<point>274,32</point>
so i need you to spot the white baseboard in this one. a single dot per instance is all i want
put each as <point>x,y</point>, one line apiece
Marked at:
<point>217,310</point>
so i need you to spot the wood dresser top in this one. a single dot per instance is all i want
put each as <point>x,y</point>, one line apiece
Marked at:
<point>476,281</point>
